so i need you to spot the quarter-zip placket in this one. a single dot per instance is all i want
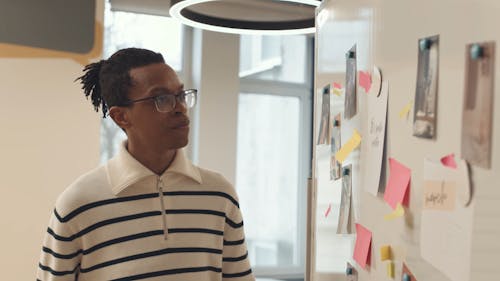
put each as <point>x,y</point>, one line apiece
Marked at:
<point>159,185</point>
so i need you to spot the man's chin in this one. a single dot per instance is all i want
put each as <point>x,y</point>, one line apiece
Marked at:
<point>177,144</point>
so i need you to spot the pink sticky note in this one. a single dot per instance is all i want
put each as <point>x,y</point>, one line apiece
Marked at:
<point>362,248</point>
<point>449,161</point>
<point>365,80</point>
<point>337,85</point>
<point>396,190</point>
<point>328,210</point>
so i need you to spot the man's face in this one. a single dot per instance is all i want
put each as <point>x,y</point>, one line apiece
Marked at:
<point>148,126</point>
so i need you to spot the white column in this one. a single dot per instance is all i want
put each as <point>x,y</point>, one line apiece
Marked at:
<point>215,74</point>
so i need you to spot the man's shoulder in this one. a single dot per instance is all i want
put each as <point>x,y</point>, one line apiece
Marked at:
<point>216,180</point>
<point>89,187</point>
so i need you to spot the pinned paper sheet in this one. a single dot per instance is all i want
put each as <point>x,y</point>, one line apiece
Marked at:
<point>372,148</point>
<point>396,190</point>
<point>404,112</point>
<point>363,245</point>
<point>337,88</point>
<point>376,86</point>
<point>446,236</point>
<point>449,161</point>
<point>327,212</point>
<point>348,147</point>
<point>398,212</point>
<point>439,195</point>
<point>365,80</point>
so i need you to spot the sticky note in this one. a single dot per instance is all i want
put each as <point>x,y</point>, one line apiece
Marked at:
<point>337,88</point>
<point>397,187</point>
<point>439,195</point>
<point>404,112</point>
<point>327,212</point>
<point>398,212</point>
<point>348,147</point>
<point>449,161</point>
<point>363,246</point>
<point>365,80</point>
<point>385,253</point>
<point>337,91</point>
<point>390,269</point>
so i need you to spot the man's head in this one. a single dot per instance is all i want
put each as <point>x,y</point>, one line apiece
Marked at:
<point>137,88</point>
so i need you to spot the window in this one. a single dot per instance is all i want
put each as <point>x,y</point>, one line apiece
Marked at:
<point>274,58</point>
<point>273,150</point>
<point>123,30</point>
<point>157,33</point>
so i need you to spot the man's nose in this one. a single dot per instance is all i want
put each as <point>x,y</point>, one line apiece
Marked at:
<point>180,107</point>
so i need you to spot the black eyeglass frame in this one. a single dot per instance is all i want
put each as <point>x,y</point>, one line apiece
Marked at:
<point>180,97</point>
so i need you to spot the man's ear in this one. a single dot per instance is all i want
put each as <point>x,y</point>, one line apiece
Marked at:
<point>120,116</point>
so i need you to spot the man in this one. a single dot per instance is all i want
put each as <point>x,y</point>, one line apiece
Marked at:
<point>148,213</point>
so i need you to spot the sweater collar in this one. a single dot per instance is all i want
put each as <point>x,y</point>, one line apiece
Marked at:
<point>123,170</point>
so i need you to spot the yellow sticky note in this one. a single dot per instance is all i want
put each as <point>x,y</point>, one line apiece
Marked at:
<point>337,91</point>
<point>398,212</point>
<point>404,112</point>
<point>348,147</point>
<point>390,269</point>
<point>385,253</point>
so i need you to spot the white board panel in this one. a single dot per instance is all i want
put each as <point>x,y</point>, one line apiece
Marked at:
<point>386,33</point>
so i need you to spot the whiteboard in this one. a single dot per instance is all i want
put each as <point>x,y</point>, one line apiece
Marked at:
<point>386,34</point>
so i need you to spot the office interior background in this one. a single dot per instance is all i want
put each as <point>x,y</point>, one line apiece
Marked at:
<point>256,122</point>
<point>255,105</point>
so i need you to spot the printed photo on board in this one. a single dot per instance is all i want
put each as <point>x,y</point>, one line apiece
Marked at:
<point>425,110</point>
<point>350,84</point>
<point>346,221</point>
<point>478,104</point>
<point>324,126</point>
<point>335,166</point>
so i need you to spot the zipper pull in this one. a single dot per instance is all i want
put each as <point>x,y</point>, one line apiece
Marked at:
<point>163,215</point>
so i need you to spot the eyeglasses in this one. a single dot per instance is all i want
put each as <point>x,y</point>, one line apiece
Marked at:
<point>167,103</point>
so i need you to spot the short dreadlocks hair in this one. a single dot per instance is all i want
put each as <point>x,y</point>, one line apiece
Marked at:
<point>107,82</point>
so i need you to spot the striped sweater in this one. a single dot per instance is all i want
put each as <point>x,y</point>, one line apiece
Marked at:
<point>121,221</point>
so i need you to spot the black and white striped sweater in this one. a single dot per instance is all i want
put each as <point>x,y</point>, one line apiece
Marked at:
<point>120,221</point>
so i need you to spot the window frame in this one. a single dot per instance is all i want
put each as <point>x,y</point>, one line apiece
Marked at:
<point>303,91</point>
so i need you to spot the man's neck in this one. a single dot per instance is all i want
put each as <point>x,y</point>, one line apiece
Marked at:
<point>156,161</point>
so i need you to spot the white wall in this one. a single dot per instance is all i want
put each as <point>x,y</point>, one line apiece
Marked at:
<point>215,74</point>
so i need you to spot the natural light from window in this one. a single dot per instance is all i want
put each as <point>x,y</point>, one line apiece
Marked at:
<point>272,151</point>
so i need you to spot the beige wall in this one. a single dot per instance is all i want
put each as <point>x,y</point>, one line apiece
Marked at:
<point>49,136</point>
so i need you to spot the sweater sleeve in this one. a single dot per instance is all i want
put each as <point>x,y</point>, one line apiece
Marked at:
<point>61,252</point>
<point>235,262</point>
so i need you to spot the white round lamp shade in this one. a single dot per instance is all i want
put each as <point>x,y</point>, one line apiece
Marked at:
<point>265,17</point>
